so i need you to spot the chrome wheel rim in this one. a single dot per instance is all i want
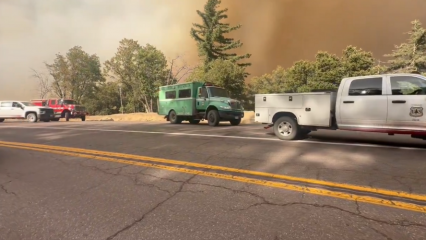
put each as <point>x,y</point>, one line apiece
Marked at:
<point>31,117</point>
<point>285,129</point>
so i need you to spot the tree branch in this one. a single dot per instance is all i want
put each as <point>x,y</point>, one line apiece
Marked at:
<point>179,72</point>
<point>43,85</point>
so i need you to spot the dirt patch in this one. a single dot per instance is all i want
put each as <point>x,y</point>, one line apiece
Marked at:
<point>149,117</point>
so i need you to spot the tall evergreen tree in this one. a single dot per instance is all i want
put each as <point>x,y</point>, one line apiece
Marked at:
<point>411,55</point>
<point>210,35</point>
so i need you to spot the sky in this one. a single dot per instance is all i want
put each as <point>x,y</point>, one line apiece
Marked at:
<point>275,32</point>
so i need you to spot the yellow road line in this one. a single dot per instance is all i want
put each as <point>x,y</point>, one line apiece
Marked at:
<point>317,191</point>
<point>381,191</point>
<point>234,170</point>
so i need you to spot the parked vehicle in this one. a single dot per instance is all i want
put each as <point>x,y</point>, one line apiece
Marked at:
<point>388,103</point>
<point>64,108</point>
<point>24,110</point>
<point>197,101</point>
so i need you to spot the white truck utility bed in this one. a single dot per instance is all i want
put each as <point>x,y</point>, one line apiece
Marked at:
<point>311,109</point>
<point>385,103</point>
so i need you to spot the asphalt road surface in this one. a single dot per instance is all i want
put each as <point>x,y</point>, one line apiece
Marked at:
<point>116,180</point>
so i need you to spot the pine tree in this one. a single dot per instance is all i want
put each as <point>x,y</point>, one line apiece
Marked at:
<point>411,55</point>
<point>210,35</point>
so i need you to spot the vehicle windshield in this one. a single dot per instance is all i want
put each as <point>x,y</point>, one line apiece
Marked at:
<point>68,102</point>
<point>28,104</point>
<point>218,92</point>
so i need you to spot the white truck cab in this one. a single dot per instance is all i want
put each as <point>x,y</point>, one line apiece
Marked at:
<point>24,110</point>
<point>387,103</point>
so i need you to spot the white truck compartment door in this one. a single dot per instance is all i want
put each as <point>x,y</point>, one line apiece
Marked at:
<point>363,103</point>
<point>316,110</point>
<point>261,115</point>
<point>406,103</point>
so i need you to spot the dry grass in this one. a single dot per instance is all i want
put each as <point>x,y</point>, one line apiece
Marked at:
<point>148,117</point>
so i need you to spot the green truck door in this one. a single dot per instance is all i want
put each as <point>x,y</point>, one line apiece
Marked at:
<point>202,100</point>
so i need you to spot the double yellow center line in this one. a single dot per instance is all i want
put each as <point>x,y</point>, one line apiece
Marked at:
<point>151,162</point>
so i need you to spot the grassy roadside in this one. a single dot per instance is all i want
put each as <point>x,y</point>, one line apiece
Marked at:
<point>148,117</point>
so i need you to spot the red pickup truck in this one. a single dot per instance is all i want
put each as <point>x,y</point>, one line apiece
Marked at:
<point>63,108</point>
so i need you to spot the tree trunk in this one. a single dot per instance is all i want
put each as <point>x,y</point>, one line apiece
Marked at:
<point>146,104</point>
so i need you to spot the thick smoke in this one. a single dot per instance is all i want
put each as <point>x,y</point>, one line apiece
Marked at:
<point>33,31</point>
<point>279,32</point>
<point>276,32</point>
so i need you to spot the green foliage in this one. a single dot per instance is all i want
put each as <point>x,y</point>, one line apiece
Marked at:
<point>215,47</point>
<point>223,73</point>
<point>197,75</point>
<point>324,73</point>
<point>60,72</point>
<point>357,62</point>
<point>302,73</point>
<point>327,68</point>
<point>106,100</point>
<point>140,70</point>
<point>123,68</point>
<point>76,74</point>
<point>268,83</point>
<point>411,55</point>
<point>210,35</point>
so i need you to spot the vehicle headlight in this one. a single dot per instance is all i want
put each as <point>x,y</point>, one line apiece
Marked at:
<point>225,107</point>
<point>42,112</point>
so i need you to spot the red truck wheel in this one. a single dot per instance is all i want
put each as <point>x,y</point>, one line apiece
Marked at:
<point>67,116</point>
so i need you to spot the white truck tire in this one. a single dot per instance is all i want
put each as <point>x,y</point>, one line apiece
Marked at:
<point>32,117</point>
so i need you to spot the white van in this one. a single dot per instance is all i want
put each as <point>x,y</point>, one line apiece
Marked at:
<point>25,110</point>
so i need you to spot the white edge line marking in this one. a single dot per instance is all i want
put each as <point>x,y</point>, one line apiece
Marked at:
<point>221,136</point>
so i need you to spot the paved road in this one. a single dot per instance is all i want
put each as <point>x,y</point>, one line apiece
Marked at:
<point>47,195</point>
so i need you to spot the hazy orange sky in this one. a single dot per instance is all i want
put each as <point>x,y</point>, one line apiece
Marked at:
<point>276,32</point>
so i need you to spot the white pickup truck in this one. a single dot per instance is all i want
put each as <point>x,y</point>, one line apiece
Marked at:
<point>388,103</point>
<point>24,110</point>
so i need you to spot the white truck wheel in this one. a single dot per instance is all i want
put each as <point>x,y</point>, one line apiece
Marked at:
<point>32,117</point>
<point>286,128</point>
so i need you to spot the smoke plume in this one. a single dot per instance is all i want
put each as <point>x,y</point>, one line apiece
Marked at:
<point>280,32</point>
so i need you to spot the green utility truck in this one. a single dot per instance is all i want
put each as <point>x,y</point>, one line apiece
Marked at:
<point>196,101</point>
